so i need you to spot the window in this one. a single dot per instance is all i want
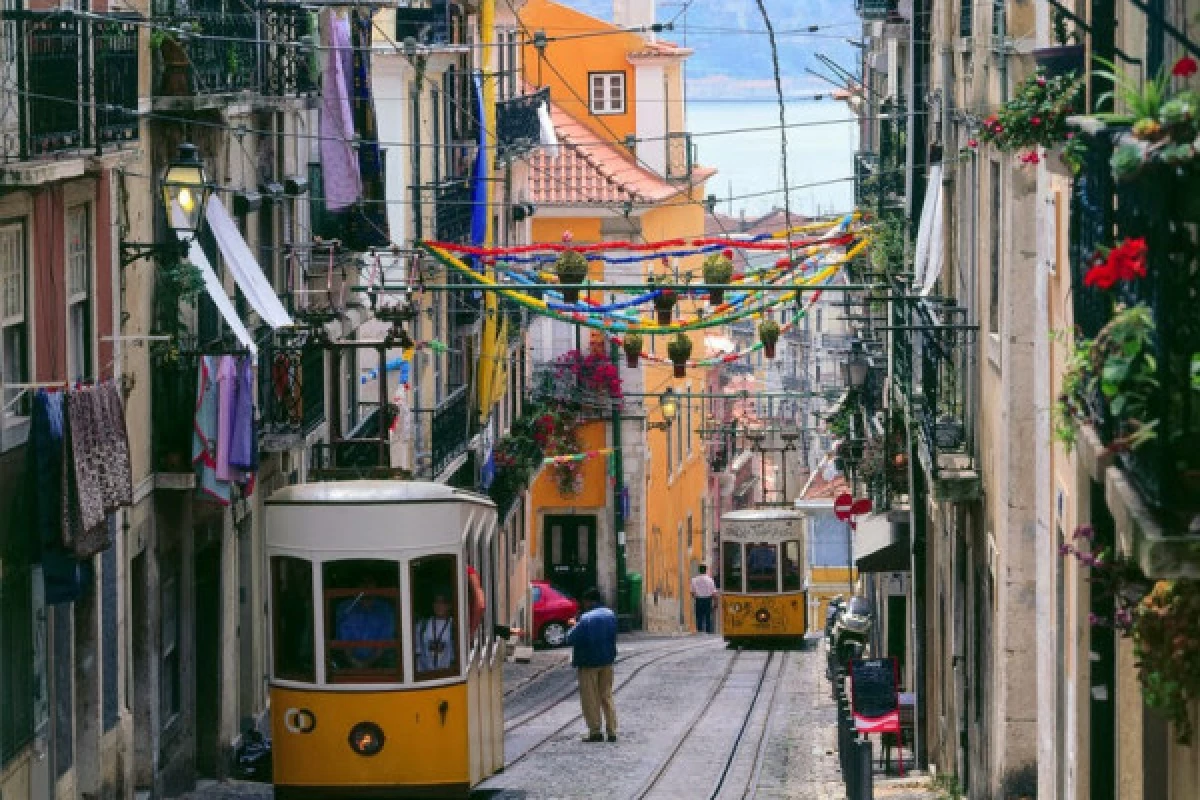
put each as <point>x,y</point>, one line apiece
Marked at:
<point>689,532</point>
<point>435,619</point>
<point>14,328</point>
<point>731,567</point>
<point>170,681</point>
<point>292,634</point>
<point>762,567</point>
<point>79,304</point>
<point>362,642</point>
<point>18,682</point>
<point>994,299</point>
<point>607,92</point>
<point>793,575</point>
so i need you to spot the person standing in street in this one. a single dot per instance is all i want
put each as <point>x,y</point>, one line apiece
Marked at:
<point>704,591</point>
<point>594,642</point>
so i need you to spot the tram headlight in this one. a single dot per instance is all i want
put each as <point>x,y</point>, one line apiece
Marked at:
<point>366,738</point>
<point>763,616</point>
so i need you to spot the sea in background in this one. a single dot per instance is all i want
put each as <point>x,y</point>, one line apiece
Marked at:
<point>820,151</point>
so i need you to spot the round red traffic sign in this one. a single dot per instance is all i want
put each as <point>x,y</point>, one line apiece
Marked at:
<point>861,506</point>
<point>843,505</point>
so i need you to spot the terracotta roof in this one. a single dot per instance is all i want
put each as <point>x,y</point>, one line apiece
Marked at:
<point>822,489</point>
<point>588,171</point>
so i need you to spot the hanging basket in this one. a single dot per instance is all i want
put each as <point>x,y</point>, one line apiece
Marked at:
<point>680,369</point>
<point>571,267</point>
<point>716,297</point>
<point>769,349</point>
<point>664,316</point>
<point>633,349</point>
<point>718,268</point>
<point>679,350</point>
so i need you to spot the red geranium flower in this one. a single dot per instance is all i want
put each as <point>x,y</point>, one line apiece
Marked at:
<point>727,253</point>
<point>1100,277</point>
<point>972,143</point>
<point>1185,67</point>
<point>1128,259</point>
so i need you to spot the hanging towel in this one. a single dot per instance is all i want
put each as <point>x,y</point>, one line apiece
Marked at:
<point>244,266</point>
<point>88,483</point>
<point>226,400</point>
<point>204,433</point>
<point>61,574</point>
<point>213,285</point>
<point>243,453</point>
<point>367,226</point>
<point>549,136</point>
<point>339,163</point>
<point>118,471</point>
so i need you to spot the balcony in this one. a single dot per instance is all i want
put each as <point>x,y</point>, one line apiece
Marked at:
<point>518,129</point>
<point>78,85</point>
<point>1158,206</point>
<point>172,408</point>
<point>431,23</point>
<point>446,433</point>
<point>289,53</point>
<point>452,211</point>
<point>875,9</point>
<point>866,164</point>
<point>681,156</point>
<point>291,389</point>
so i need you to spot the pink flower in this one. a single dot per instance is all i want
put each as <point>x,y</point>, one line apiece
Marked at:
<point>972,143</point>
<point>567,236</point>
<point>727,253</point>
<point>1041,81</point>
<point>1036,121</point>
<point>1185,67</point>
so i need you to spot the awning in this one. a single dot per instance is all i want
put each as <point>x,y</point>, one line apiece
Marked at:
<point>244,267</point>
<point>213,284</point>
<point>881,544</point>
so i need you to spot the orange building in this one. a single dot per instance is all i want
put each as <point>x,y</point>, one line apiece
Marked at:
<point>623,171</point>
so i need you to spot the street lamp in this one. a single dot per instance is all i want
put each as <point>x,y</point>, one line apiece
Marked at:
<point>668,406</point>
<point>856,366</point>
<point>185,190</point>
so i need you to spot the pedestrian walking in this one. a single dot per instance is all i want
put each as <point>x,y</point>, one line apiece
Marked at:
<point>594,642</point>
<point>704,591</point>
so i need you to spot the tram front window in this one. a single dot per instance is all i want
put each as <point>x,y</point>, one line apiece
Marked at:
<point>762,574</point>
<point>793,577</point>
<point>292,601</point>
<point>362,640</point>
<point>435,619</point>
<point>731,567</point>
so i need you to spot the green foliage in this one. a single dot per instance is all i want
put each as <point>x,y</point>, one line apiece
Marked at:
<point>571,267</point>
<point>1142,101</point>
<point>947,787</point>
<point>889,246</point>
<point>679,348</point>
<point>1166,646</point>
<point>177,284</point>
<point>768,332</point>
<point>540,432</point>
<point>718,268</point>
<point>633,344</point>
<point>1036,116</point>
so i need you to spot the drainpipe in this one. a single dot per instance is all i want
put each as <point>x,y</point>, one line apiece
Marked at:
<point>623,603</point>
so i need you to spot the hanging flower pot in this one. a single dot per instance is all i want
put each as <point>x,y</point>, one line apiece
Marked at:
<point>679,350</point>
<point>633,349</point>
<point>571,268</point>
<point>664,304</point>
<point>768,334</point>
<point>718,268</point>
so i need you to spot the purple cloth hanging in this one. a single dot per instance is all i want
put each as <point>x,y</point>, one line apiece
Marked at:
<point>243,454</point>
<point>339,162</point>
<point>204,433</point>
<point>227,384</point>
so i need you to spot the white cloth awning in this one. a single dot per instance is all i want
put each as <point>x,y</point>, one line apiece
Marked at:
<point>927,260</point>
<point>244,267</point>
<point>213,285</point>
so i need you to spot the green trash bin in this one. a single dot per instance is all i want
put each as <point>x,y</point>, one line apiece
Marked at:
<point>633,604</point>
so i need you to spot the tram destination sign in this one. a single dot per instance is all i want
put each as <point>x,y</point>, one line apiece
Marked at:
<point>874,701</point>
<point>762,530</point>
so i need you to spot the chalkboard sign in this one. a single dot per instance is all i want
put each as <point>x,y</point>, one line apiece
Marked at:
<point>874,701</point>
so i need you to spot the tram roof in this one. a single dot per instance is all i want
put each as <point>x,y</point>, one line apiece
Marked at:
<point>757,514</point>
<point>373,493</point>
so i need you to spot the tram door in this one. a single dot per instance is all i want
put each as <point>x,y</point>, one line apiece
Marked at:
<point>570,552</point>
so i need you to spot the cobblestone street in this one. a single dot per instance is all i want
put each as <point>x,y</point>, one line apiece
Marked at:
<point>683,703</point>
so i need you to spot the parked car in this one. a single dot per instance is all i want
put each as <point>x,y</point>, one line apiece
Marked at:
<point>553,611</point>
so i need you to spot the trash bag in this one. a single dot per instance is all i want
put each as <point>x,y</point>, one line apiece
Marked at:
<point>252,760</point>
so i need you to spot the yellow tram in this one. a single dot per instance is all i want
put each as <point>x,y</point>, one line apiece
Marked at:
<point>764,571</point>
<point>386,665</point>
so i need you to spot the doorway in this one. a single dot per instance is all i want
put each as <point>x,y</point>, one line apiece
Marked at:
<point>208,658</point>
<point>570,552</point>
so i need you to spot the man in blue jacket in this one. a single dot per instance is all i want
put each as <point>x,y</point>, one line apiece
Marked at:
<point>594,639</point>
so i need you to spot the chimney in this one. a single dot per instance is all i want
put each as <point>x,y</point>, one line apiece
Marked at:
<point>634,14</point>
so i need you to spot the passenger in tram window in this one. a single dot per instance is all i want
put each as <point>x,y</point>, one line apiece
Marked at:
<point>434,637</point>
<point>367,617</point>
<point>477,598</point>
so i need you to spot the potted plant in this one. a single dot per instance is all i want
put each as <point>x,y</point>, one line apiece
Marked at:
<point>1067,55</point>
<point>768,334</point>
<point>633,349</point>
<point>664,301</point>
<point>1035,118</point>
<point>718,268</point>
<point>571,268</point>
<point>679,350</point>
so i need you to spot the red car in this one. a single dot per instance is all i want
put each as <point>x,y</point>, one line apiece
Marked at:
<point>552,613</point>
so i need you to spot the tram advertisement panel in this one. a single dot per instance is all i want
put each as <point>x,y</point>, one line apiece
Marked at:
<point>873,698</point>
<point>737,529</point>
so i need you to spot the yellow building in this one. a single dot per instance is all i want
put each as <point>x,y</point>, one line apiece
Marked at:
<point>623,172</point>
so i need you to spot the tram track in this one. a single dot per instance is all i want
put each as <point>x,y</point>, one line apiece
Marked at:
<point>657,655</point>
<point>718,790</point>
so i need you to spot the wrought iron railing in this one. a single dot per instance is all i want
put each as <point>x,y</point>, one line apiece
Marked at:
<point>681,156</point>
<point>173,387</point>
<point>866,164</point>
<point>449,431</point>
<point>74,81</point>
<point>452,211</point>
<point>291,384</point>
<point>428,22</point>
<point>941,341</point>
<point>1158,206</point>
<point>290,57</point>
<point>213,48</point>
<point>518,130</point>
<point>875,9</point>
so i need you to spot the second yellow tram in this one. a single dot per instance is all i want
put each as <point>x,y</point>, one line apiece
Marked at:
<point>764,576</point>
<point>386,667</point>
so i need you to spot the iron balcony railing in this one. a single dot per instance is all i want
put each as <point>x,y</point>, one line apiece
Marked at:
<point>172,407</point>
<point>452,211</point>
<point>431,23</point>
<point>74,80</point>
<point>518,129</point>
<point>448,431</point>
<point>289,53</point>
<point>1158,205</point>
<point>681,156</point>
<point>944,361</point>
<point>291,386</point>
<point>875,9</point>
<point>866,164</point>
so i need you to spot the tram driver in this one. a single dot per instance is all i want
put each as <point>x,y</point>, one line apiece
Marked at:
<point>434,637</point>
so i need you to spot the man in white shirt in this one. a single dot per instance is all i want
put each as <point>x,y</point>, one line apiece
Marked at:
<point>705,592</point>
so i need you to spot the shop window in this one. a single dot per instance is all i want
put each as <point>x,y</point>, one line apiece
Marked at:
<point>362,640</point>
<point>762,567</point>
<point>731,567</point>
<point>292,629</point>
<point>793,576</point>
<point>435,617</point>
